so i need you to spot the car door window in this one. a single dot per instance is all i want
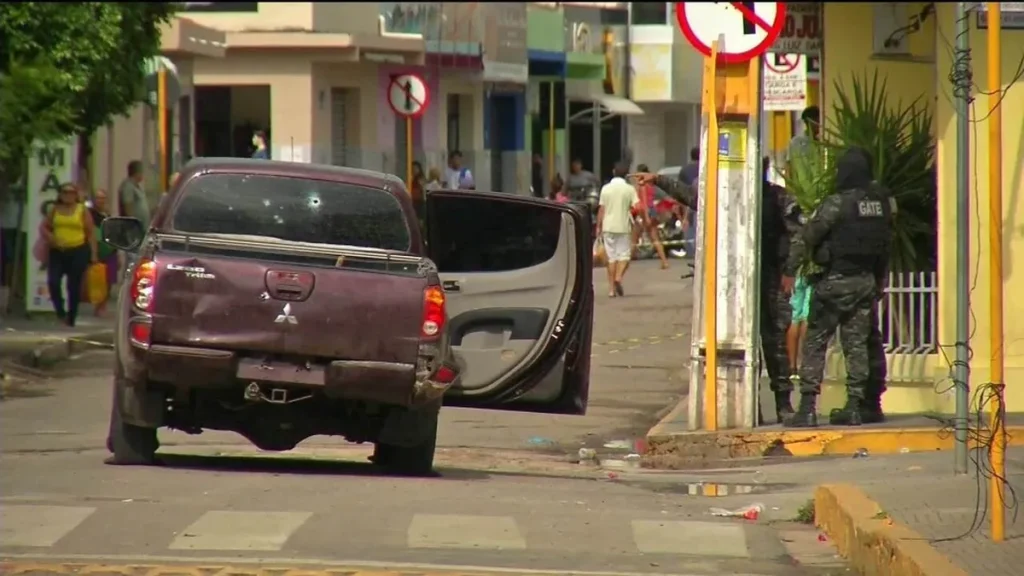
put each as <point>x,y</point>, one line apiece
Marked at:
<point>487,236</point>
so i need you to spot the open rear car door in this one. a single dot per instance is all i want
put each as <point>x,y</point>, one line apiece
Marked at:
<point>517,275</point>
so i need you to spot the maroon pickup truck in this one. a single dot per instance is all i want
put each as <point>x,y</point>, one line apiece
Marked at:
<point>283,300</point>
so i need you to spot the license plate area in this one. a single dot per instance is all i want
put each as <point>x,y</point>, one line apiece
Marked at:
<point>272,371</point>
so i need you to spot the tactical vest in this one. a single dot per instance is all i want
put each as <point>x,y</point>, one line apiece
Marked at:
<point>861,236</point>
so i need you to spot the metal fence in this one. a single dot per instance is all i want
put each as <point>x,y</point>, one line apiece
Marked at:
<point>908,320</point>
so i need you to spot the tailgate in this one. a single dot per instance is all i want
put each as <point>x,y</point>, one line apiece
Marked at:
<point>261,303</point>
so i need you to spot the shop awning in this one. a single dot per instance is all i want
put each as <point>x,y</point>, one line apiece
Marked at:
<point>592,92</point>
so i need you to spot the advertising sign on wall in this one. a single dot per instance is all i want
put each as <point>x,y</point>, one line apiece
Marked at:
<point>801,33</point>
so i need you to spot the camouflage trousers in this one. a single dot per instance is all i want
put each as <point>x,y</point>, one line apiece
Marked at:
<point>849,304</point>
<point>776,315</point>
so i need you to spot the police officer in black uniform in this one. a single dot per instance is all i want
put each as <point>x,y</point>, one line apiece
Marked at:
<point>849,236</point>
<point>780,221</point>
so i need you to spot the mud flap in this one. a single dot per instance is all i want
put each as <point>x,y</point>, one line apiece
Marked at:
<point>141,407</point>
<point>408,428</point>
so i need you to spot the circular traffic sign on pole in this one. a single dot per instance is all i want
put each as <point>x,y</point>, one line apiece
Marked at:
<point>749,28</point>
<point>781,63</point>
<point>408,95</point>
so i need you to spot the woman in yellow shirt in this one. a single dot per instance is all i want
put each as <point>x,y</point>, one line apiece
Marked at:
<point>71,234</point>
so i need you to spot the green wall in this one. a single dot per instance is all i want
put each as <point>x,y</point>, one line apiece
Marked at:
<point>545,29</point>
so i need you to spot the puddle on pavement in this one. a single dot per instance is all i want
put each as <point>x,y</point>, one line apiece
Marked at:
<point>708,489</point>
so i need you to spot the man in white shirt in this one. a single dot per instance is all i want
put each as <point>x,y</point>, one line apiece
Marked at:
<point>615,225</point>
<point>457,177</point>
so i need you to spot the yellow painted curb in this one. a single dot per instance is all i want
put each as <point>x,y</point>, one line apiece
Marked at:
<point>872,542</point>
<point>807,442</point>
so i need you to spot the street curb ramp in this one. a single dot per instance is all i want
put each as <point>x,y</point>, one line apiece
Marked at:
<point>52,351</point>
<point>872,542</point>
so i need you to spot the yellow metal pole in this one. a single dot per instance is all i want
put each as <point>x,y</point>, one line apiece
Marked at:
<point>711,246</point>
<point>161,118</point>
<point>551,136</point>
<point>995,241</point>
<point>408,152</point>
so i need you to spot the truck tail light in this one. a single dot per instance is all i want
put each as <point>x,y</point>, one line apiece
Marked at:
<point>433,312</point>
<point>144,285</point>
<point>139,333</point>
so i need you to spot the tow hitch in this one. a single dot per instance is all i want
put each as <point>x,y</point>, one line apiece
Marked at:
<point>254,393</point>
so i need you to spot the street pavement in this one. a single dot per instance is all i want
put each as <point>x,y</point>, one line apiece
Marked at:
<point>509,495</point>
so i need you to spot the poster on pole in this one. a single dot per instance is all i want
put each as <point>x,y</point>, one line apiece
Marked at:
<point>785,82</point>
<point>49,166</point>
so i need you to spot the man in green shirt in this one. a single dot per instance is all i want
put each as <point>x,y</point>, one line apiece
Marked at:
<point>131,195</point>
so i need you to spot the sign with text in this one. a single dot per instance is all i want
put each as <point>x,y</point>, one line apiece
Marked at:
<point>504,42</point>
<point>801,31</point>
<point>785,82</point>
<point>49,166</point>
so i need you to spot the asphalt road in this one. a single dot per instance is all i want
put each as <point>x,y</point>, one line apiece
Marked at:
<point>509,495</point>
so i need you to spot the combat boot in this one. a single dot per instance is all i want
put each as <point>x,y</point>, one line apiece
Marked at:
<point>849,415</point>
<point>806,415</point>
<point>783,406</point>
<point>871,411</point>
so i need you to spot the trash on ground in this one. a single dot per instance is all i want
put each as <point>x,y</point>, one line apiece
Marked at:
<point>822,537</point>
<point>861,453</point>
<point>619,445</point>
<point>631,458</point>
<point>904,450</point>
<point>540,441</point>
<point>587,454</point>
<point>612,476</point>
<point>752,512</point>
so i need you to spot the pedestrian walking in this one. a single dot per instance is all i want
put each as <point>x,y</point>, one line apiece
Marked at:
<point>648,218</point>
<point>458,176</point>
<point>849,236</point>
<point>71,235</point>
<point>614,225</point>
<point>107,254</point>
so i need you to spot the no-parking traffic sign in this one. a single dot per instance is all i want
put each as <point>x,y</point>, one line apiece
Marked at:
<point>785,82</point>
<point>749,28</point>
<point>408,95</point>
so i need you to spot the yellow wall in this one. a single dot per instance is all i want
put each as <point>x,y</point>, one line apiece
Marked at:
<point>847,49</point>
<point>1013,211</point>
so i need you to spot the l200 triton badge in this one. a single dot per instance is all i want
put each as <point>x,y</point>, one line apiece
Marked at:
<point>285,317</point>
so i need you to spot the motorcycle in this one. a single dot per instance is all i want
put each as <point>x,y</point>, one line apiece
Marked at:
<point>668,216</point>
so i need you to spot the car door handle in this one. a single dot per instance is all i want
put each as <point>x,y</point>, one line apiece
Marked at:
<point>451,286</point>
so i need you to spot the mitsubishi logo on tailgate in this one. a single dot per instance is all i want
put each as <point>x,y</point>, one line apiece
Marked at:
<point>286,316</point>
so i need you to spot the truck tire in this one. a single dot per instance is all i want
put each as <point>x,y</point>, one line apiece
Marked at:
<point>415,460</point>
<point>130,445</point>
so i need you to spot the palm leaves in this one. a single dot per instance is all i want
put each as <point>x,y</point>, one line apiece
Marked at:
<point>899,138</point>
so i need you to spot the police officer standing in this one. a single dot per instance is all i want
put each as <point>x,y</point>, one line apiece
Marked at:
<point>849,236</point>
<point>780,222</point>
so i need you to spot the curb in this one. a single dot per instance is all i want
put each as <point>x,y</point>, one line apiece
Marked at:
<point>871,541</point>
<point>675,450</point>
<point>50,352</point>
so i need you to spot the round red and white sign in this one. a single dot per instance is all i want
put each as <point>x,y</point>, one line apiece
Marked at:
<point>782,63</point>
<point>408,95</point>
<point>747,29</point>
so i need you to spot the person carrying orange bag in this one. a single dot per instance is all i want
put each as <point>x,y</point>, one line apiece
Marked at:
<point>95,289</point>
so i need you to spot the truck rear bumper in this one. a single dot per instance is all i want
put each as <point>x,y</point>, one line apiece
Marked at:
<point>390,383</point>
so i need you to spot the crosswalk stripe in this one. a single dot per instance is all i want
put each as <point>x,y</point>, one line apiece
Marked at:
<point>686,537</point>
<point>460,531</point>
<point>230,530</point>
<point>39,526</point>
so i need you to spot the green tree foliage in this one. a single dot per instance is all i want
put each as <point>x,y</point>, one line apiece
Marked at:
<point>69,68</point>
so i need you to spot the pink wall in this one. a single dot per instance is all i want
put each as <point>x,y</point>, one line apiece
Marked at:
<point>426,132</point>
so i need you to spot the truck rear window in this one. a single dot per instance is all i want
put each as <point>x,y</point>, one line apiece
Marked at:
<point>294,209</point>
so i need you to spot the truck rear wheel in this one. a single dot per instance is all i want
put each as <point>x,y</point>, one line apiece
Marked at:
<point>417,460</point>
<point>130,445</point>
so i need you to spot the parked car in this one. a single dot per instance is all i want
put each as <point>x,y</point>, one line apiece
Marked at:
<point>284,300</point>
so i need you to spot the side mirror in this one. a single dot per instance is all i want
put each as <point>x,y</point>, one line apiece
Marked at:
<point>122,233</point>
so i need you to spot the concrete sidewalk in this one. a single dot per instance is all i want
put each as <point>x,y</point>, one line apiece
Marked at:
<point>41,341</point>
<point>917,518</point>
